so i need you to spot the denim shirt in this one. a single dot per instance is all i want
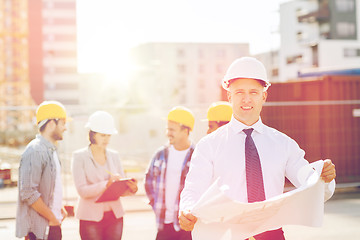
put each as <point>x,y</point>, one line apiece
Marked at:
<point>37,173</point>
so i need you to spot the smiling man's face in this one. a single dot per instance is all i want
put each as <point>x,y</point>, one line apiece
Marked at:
<point>247,97</point>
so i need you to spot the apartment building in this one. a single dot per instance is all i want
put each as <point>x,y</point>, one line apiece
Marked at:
<point>271,62</point>
<point>53,51</point>
<point>182,73</point>
<point>323,34</point>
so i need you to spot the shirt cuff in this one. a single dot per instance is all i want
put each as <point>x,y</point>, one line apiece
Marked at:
<point>30,201</point>
<point>329,190</point>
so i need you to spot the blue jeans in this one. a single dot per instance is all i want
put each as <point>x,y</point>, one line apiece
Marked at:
<point>169,233</point>
<point>109,228</point>
<point>277,234</point>
<point>54,234</point>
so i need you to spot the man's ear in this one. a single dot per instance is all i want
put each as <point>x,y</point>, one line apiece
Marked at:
<point>51,124</point>
<point>228,96</point>
<point>265,93</point>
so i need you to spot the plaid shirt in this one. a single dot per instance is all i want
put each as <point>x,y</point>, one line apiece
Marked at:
<point>37,174</point>
<point>155,184</point>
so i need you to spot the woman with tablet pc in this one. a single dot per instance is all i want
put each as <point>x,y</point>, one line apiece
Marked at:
<point>95,169</point>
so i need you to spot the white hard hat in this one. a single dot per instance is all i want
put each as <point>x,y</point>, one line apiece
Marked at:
<point>101,122</point>
<point>245,67</point>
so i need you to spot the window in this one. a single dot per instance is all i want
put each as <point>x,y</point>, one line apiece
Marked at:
<point>352,52</point>
<point>324,30</point>
<point>345,29</point>
<point>153,133</point>
<point>62,53</point>
<point>66,86</point>
<point>221,53</point>
<point>182,99</point>
<point>181,68</point>
<point>201,68</point>
<point>60,37</point>
<point>299,12</point>
<point>61,70</point>
<point>201,83</point>
<point>69,101</point>
<point>50,37</point>
<point>49,70</point>
<point>180,53</point>
<point>65,5</point>
<point>201,98</point>
<point>299,36</point>
<point>182,83</point>
<point>294,59</point>
<point>50,86</point>
<point>219,68</point>
<point>345,5</point>
<point>201,53</point>
<point>48,5</point>
<point>64,21</point>
<point>60,5</point>
<point>275,72</point>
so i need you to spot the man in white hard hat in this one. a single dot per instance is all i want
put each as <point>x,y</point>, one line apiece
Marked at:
<point>248,156</point>
<point>40,211</point>
<point>166,174</point>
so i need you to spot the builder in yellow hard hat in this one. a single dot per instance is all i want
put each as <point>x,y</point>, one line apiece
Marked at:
<point>40,211</point>
<point>166,174</point>
<point>218,114</point>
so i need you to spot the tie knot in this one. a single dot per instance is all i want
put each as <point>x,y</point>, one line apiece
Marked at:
<point>248,131</point>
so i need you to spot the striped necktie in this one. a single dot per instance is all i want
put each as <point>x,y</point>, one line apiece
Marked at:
<point>254,178</point>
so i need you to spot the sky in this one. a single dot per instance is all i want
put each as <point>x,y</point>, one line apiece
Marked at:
<point>107,29</point>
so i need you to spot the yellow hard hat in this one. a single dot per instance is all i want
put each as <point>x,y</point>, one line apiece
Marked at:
<point>183,116</point>
<point>50,110</point>
<point>219,112</point>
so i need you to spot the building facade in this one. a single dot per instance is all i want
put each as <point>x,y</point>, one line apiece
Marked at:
<point>38,61</point>
<point>271,62</point>
<point>320,34</point>
<point>53,51</point>
<point>182,73</point>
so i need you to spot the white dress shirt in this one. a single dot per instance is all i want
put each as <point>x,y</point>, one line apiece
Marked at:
<point>221,154</point>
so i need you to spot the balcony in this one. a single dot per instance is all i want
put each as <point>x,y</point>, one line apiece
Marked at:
<point>322,15</point>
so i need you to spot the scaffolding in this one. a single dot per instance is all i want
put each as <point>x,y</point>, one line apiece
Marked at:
<point>16,103</point>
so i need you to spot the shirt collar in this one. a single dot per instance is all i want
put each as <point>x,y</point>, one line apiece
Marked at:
<point>192,146</point>
<point>46,142</point>
<point>237,126</point>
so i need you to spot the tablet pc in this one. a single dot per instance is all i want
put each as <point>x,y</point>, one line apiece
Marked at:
<point>114,191</point>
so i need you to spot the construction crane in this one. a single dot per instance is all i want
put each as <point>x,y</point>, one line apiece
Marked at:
<point>15,99</point>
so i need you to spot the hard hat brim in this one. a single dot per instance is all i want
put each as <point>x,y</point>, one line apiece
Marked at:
<point>226,83</point>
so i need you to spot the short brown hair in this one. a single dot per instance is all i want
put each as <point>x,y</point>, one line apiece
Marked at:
<point>92,137</point>
<point>182,127</point>
<point>44,126</point>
